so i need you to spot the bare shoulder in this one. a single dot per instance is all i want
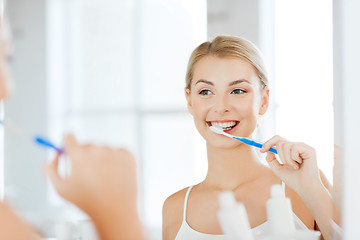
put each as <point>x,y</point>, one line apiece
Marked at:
<point>173,214</point>
<point>300,208</point>
<point>174,203</point>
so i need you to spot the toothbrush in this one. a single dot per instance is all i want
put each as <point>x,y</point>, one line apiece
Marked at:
<point>220,130</point>
<point>37,139</point>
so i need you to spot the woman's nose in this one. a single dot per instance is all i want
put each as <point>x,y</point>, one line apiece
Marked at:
<point>222,105</point>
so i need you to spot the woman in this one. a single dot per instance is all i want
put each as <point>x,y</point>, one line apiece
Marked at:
<point>227,86</point>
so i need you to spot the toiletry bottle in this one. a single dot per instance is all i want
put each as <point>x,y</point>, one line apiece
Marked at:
<point>233,218</point>
<point>64,231</point>
<point>279,213</point>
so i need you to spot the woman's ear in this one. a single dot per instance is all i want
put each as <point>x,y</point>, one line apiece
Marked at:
<point>188,99</point>
<point>264,105</point>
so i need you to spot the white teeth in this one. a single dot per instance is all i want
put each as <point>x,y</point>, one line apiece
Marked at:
<point>224,125</point>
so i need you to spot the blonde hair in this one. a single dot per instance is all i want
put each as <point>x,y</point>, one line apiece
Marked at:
<point>228,46</point>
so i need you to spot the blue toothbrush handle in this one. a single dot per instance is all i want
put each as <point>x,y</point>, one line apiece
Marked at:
<point>46,143</point>
<point>273,150</point>
<point>255,144</point>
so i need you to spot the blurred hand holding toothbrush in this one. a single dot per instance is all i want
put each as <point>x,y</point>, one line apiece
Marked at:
<point>96,173</point>
<point>102,183</point>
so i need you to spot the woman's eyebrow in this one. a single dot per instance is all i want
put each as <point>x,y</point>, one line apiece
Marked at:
<point>204,81</point>
<point>238,81</point>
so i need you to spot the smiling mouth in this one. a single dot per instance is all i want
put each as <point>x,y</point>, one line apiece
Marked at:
<point>224,125</point>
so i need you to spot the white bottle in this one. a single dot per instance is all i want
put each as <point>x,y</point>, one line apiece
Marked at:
<point>233,218</point>
<point>64,231</point>
<point>87,230</point>
<point>279,213</point>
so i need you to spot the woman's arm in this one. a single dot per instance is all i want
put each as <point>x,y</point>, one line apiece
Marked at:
<point>103,184</point>
<point>298,169</point>
<point>322,207</point>
<point>12,227</point>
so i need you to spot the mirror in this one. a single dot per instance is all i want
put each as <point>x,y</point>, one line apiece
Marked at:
<point>113,72</point>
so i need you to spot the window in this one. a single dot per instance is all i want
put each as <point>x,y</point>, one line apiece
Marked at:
<point>117,77</point>
<point>303,75</point>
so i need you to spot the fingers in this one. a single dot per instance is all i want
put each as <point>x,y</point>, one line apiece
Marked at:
<point>281,152</point>
<point>290,155</point>
<point>51,171</point>
<point>287,151</point>
<point>295,155</point>
<point>272,161</point>
<point>271,142</point>
<point>70,144</point>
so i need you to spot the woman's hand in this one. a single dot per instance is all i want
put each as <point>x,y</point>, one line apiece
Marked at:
<point>296,164</point>
<point>97,175</point>
<point>102,183</point>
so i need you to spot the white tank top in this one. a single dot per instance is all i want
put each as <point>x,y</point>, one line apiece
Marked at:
<point>187,233</point>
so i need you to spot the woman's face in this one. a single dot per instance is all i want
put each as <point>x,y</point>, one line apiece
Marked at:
<point>226,92</point>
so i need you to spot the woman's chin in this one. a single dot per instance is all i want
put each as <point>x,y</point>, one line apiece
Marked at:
<point>231,144</point>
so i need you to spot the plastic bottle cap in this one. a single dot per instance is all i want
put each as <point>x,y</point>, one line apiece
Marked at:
<point>226,199</point>
<point>277,191</point>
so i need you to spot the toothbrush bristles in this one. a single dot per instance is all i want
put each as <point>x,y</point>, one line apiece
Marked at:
<point>217,129</point>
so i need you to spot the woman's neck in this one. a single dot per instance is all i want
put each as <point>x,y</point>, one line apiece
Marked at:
<point>230,168</point>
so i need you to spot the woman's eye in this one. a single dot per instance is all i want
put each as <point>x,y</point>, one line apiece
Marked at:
<point>205,92</point>
<point>238,91</point>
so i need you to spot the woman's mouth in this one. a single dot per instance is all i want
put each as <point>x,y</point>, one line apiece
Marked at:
<point>225,125</point>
